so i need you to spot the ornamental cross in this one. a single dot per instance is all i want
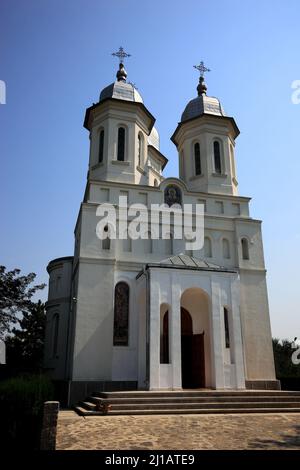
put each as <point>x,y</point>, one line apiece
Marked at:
<point>121,54</point>
<point>201,68</point>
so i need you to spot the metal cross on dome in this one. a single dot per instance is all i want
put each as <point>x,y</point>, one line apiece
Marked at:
<point>121,54</point>
<point>201,68</point>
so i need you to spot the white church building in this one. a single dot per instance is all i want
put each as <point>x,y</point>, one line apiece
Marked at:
<point>148,314</point>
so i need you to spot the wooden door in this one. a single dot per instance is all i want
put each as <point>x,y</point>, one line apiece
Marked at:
<point>198,361</point>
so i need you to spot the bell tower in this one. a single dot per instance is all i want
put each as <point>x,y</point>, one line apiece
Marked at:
<point>205,140</point>
<point>124,145</point>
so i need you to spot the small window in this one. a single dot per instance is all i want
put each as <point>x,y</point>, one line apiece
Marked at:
<point>106,241</point>
<point>197,157</point>
<point>140,150</point>
<point>245,248</point>
<point>207,247</point>
<point>226,248</point>
<point>217,157</point>
<point>121,144</point>
<point>226,327</point>
<point>101,146</point>
<point>121,314</point>
<point>155,183</point>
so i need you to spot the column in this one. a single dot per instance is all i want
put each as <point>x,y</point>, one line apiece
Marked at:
<point>237,343</point>
<point>154,332</point>
<point>217,350</point>
<point>175,330</point>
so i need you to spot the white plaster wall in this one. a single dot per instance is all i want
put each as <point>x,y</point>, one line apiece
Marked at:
<point>257,338</point>
<point>60,272</point>
<point>92,355</point>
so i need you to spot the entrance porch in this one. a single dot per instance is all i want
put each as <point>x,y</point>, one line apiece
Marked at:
<point>192,327</point>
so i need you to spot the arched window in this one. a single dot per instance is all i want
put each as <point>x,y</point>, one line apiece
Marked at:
<point>101,146</point>
<point>140,149</point>
<point>121,144</point>
<point>217,157</point>
<point>226,248</point>
<point>245,248</point>
<point>155,183</point>
<point>226,328</point>
<point>55,328</point>
<point>207,247</point>
<point>197,157</point>
<point>106,241</point>
<point>121,314</point>
<point>164,353</point>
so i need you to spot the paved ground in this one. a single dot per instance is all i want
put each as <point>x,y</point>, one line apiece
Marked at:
<point>179,432</point>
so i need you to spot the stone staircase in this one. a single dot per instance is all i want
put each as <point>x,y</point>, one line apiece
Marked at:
<point>189,402</point>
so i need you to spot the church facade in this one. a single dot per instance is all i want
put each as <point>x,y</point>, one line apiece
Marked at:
<point>148,313</point>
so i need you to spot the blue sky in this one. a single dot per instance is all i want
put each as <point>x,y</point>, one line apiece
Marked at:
<point>55,57</point>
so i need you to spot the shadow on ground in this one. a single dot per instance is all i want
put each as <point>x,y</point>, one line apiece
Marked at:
<point>285,441</point>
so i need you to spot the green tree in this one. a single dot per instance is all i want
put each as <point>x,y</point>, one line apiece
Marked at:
<point>283,351</point>
<point>25,347</point>
<point>15,297</point>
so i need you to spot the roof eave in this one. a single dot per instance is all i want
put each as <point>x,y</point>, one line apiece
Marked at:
<point>161,156</point>
<point>180,124</point>
<point>106,100</point>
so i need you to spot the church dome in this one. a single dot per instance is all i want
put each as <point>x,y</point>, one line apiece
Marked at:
<point>202,105</point>
<point>121,90</point>
<point>153,138</point>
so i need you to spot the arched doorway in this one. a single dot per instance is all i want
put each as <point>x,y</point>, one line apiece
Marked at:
<point>192,353</point>
<point>195,339</point>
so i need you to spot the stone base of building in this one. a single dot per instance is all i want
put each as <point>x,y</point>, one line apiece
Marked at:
<point>263,384</point>
<point>69,393</point>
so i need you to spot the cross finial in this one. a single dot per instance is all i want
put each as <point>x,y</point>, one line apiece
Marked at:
<point>121,73</point>
<point>201,68</point>
<point>121,54</point>
<point>201,88</point>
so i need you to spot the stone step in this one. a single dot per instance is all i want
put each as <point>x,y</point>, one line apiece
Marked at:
<point>208,401</point>
<point>197,399</point>
<point>195,393</point>
<point>187,405</point>
<point>83,412</point>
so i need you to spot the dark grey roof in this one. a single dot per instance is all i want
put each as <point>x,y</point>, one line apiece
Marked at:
<point>190,261</point>
<point>153,138</point>
<point>183,261</point>
<point>202,105</point>
<point>121,91</point>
